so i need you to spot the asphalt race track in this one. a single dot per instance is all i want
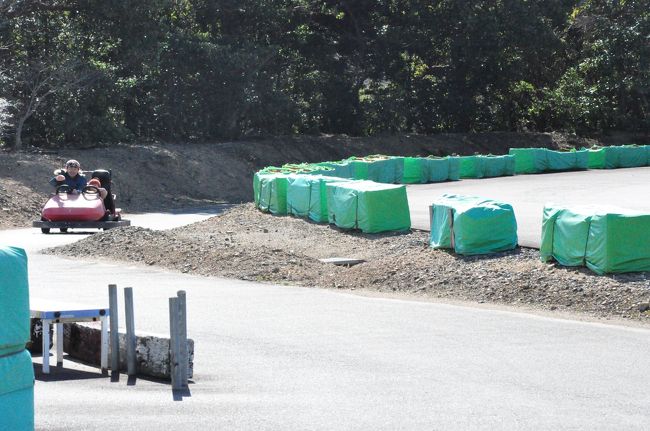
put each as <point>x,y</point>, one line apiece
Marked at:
<point>620,188</point>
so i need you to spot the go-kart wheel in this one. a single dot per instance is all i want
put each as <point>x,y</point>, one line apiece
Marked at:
<point>63,188</point>
<point>45,229</point>
<point>91,190</point>
<point>35,343</point>
<point>63,229</point>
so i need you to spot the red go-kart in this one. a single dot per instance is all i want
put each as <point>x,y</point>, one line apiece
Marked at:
<point>68,209</point>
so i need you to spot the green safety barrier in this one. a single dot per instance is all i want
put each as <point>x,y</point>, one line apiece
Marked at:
<point>472,225</point>
<point>378,168</point>
<point>341,169</point>
<point>306,168</point>
<point>567,160</point>
<point>486,166</point>
<point>606,241</point>
<point>14,300</point>
<point>538,160</point>
<point>271,192</point>
<point>624,156</point>
<point>307,196</point>
<point>17,391</point>
<point>421,170</point>
<point>369,206</point>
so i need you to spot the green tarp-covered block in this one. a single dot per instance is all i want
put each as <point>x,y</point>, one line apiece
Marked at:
<point>272,193</point>
<point>471,166</point>
<point>414,171</point>
<point>369,206</point>
<point>498,166</point>
<point>596,158</point>
<point>529,160</point>
<point>604,240</point>
<point>567,160</point>
<point>472,225</point>
<point>454,168</point>
<point>14,300</point>
<point>307,196</point>
<point>17,392</point>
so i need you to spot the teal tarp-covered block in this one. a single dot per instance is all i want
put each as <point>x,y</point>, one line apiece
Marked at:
<point>529,160</point>
<point>273,193</point>
<point>606,240</point>
<point>454,168</point>
<point>307,196</point>
<point>340,169</point>
<point>14,300</point>
<point>498,166</point>
<point>472,225</point>
<point>369,206</point>
<point>632,156</point>
<point>436,169</point>
<point>17,392</point>
<point>596,158</point>
<point>567,160</point>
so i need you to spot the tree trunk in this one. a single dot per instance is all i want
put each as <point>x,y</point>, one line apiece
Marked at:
<point>18,143</point>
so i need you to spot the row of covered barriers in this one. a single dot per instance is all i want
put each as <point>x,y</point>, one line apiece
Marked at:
<point>16,370</point>
<point>349,204</point>
<point>420,170</point>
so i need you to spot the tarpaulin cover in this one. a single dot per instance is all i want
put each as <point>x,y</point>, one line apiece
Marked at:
<point>420,170</point>
<point>306,168</point>
<point>567,160</point>
<point>369,206</point>
<point>378,168</point>
<point>604,240</point>
<point>471,166</point>
<point>596,158</point>
<point>498,166</point>
<point>307,196</point>
<point>17,392</point>
<point>472,225</point>
<point>341,169</point>
<point>486,166</point>
<point>14,300</point>
<point>529,160</point>
<point>271,194</point>
<point>414,171</point>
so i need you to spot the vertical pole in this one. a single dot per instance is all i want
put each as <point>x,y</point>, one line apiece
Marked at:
<point>115,339</point>
<point>182,337</point>
<point>130,332</point>
<point>173,341</point>
<point>59,343</point>
<point>46,346</point>
<point>104,347</point>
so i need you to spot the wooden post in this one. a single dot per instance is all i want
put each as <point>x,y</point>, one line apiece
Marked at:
<point>131,364</point>
<point>183,358</point>
<point>115,338</point>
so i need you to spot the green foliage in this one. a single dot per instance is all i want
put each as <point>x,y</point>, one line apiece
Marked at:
<point>88,72</point>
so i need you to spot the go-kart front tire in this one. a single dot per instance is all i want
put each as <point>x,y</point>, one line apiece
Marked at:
<point>64,229</point>
<point>45,229</point>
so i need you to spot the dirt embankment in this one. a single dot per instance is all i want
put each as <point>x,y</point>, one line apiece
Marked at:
<point>249,245</point>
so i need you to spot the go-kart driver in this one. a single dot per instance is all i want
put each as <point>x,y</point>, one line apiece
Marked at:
<point>71,177</point>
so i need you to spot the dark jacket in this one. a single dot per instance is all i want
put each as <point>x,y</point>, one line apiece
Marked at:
<point>76,183</point>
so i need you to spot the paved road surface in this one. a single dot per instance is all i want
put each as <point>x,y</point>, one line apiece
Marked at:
<point>624,188</point>
<point>279,358</point>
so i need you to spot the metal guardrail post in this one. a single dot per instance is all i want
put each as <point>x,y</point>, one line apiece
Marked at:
<point>174,365</point>
<point>131,363</point>
<point>182,338</point>
<point>115,337</point>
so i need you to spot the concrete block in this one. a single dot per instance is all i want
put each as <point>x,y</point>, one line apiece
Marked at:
<point>82,341</point>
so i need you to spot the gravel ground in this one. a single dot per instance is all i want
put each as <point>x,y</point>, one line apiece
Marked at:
<point>246,244</point>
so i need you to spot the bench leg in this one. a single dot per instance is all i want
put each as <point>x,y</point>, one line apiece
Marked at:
<point>46,346</point>
<point>59,344</point>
